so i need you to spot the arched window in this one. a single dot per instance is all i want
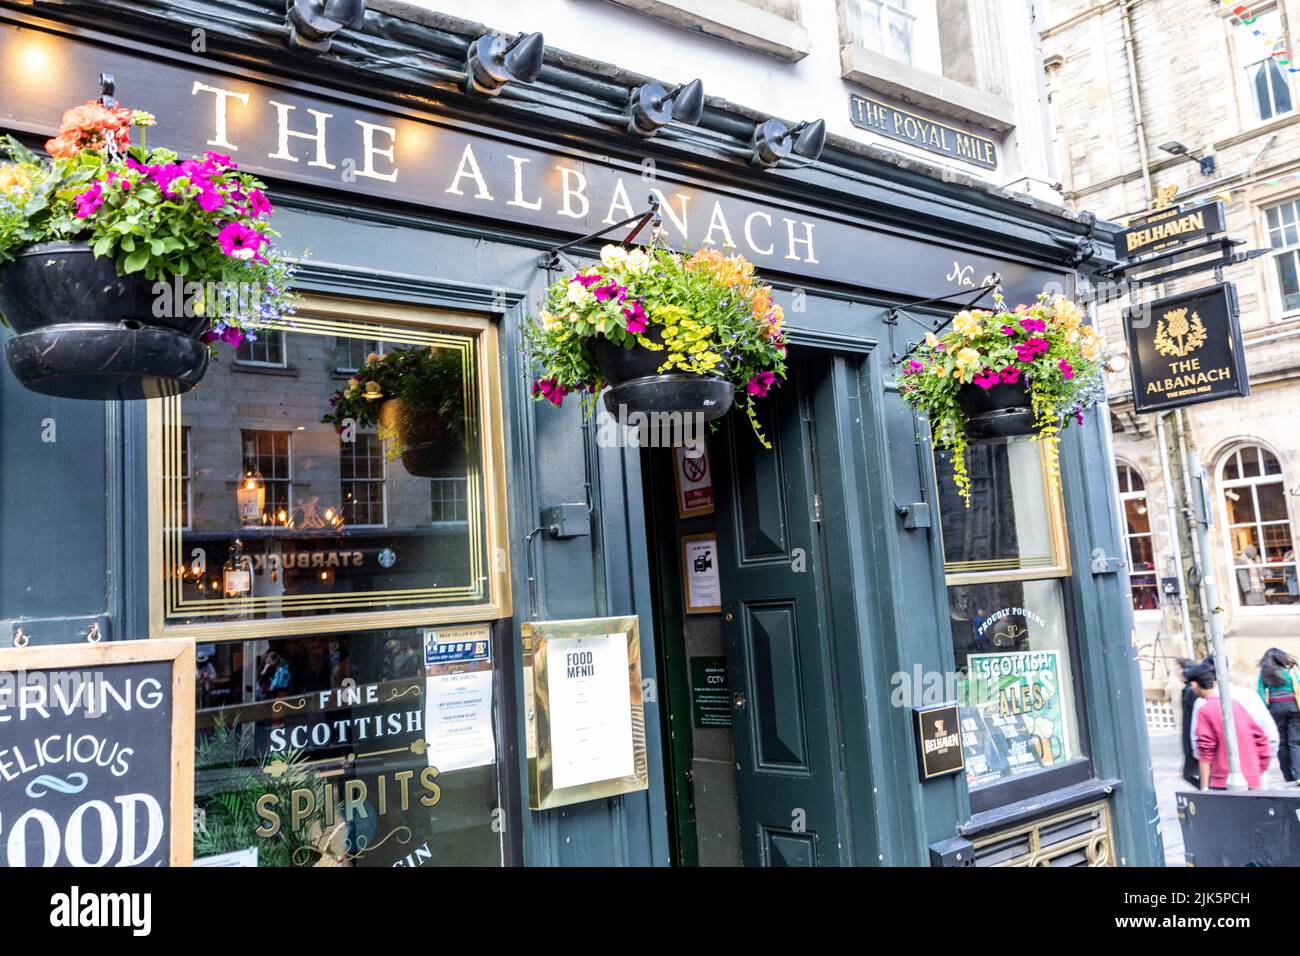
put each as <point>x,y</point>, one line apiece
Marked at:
<point>1258,527</point>
<point>1137,532</point>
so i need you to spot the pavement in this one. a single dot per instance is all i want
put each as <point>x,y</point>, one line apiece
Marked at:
<point>1167,771</point>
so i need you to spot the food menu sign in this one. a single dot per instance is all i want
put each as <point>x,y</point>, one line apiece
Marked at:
<point>1012,720</point>
<point>96,754</point>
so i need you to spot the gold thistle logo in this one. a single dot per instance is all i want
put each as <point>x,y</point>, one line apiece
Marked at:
<point>1178,336</point>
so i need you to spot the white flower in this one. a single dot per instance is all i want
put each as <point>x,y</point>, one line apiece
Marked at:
<point>636,262</point>
<point>577,293</point>
<point>612,256</point>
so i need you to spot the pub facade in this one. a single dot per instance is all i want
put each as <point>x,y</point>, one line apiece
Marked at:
<point>366,633</point>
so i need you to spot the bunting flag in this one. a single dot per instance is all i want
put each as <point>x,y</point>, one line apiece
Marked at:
<point>1279,53</point>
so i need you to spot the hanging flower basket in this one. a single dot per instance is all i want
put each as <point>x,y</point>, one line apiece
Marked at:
<point>121,266</point>
<point>669,334</point>
<point>1000,374</point>
<point>415,397</point>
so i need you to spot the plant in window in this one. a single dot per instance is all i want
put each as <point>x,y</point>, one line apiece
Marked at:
<point>153,258</point>
<point>1000,373</point>
<point>669,332</point>
<point>416,397</point>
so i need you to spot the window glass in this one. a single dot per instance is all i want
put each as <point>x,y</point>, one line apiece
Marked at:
<point>266,349</point>
<point>337,751</point>
<point>1266,86</point>
<point>312,519</point>
<point>1259,532</point>
<point>887,27</point>
<point>1011,520</point>
<point>1141,552</point>
<point>1015,688</point>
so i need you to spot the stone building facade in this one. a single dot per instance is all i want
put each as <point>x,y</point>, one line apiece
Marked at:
<point>1143,95</point>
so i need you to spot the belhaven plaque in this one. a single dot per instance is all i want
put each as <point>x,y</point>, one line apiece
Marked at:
<point>1186,349</point>
<point>938,741</point>
<point>1170,229</point>
<point>97,754</point>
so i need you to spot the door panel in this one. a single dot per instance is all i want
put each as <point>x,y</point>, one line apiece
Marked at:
<point>778,650</point>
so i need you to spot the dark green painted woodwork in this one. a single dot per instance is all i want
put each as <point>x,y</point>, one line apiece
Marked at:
<point>778,642</point>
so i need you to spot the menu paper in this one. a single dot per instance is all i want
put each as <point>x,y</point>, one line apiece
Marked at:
<point>590,709</point>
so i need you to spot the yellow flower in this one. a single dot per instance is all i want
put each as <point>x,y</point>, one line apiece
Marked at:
<point>1067,312</point>
<point>931,340</point>
<point>969,358</point>
<point>550,320</point>
<point>966,324</point>
<point>1091,349</point>
<point>13,179</point>
<point>936,369</point>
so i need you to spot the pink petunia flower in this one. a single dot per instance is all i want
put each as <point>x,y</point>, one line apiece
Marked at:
<point>551,390</point>
<point>986,379</point>
<point>759,385</point>
<point>88,202</point>
<point>636,317</point>
<point>1033,325</point>
<point>1067,370</point>
<point>1008,330</point>
<point>258,204</point>
<point>240,242</point>
<point>913,367</point>
<point>1010,374</point>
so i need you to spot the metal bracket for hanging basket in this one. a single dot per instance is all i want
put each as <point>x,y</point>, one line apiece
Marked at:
<point>893,312</point>
<point>651,217</point>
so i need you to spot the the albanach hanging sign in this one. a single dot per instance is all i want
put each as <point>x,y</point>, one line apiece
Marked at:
<point>329,143</point>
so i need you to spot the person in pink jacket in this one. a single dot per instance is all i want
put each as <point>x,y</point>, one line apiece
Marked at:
<point>1254,744</point>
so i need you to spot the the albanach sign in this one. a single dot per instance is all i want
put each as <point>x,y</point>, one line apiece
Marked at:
<point>323,141</point>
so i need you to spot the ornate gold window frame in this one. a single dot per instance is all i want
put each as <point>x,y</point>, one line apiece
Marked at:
<point>1055,565</point>
<point>324,315</point>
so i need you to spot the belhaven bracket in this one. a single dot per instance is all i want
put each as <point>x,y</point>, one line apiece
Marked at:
<point>1222,252</point>
<point>651,217</point>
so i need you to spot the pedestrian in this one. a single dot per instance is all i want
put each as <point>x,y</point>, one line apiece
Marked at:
<point>1191,769</point>
<point>1279,688</point>
<point>1255,746</point>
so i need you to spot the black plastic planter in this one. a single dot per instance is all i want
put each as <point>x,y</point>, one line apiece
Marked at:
<point>637,386</point>
<point>428,449</point>
<point>85,332</point>
<point>1003,411</point>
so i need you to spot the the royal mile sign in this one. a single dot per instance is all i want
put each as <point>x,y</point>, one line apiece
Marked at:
<point>867,112</point>
<point>97,754</point>
<point>358,148</point>
<point>1170,229</point>
<point>1186,349</point>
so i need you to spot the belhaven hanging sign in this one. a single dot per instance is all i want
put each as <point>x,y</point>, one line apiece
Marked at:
<point>1186,349</point>
<point>1169,229</point>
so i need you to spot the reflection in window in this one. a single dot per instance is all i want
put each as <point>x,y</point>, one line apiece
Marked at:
<point>335,526</point>
<point>1266,84</point>
<point>267,453</point>
<point>1283,223</point>
<point>361,468</point>
<point>179,515</point>
<point>449,500</point>
<point>1137,531</point>
<point>1016,680</point>
<point>350,354</point>
<point>266,349</point>
<point>319,751</point>
<point>1259,531</point>
<point>1008,525</point>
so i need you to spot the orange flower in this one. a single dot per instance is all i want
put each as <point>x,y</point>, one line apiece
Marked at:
<point>90,126</point>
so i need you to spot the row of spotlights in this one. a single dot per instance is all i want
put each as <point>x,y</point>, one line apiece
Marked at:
<point>494,61</point>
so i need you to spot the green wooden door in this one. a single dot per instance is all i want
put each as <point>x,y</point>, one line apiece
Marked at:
<point>778,646</point>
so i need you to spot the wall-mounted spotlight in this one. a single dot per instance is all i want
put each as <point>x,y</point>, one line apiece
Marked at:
<point>1175,148</point>
<point>494,61</point>
<point>313,23</point>
<point>774,141</point>
<point>650,107</point>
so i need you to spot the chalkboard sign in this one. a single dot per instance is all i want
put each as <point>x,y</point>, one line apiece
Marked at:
<point>97,754</point>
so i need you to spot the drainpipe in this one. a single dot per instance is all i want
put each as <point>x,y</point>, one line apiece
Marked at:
<point>1171,515</point>
<point>1139,124</point>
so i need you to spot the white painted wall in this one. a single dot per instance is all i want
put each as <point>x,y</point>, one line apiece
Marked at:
<point>810,88</point>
